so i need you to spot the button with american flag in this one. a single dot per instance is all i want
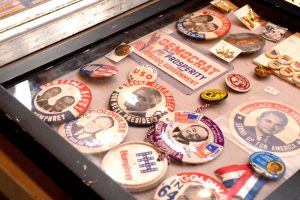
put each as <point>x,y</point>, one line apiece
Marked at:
<point>98,70</point>
<point>189,137</point>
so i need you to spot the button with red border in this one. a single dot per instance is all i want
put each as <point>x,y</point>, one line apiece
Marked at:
<point>238,82</point>
<point>191,185</point>
<point>61,100</point>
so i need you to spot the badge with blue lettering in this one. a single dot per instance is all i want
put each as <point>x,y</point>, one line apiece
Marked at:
<point>188,137</point>
<point>135,166</point>
<point>61,100</point>
<point>267,164</point>
<point>98,70</point>
<point>204,25</point>
<point>96,131</point>
<point>191,186</point>
<point>143,73</point>
<point>138,101</point>
<point>265,125</point>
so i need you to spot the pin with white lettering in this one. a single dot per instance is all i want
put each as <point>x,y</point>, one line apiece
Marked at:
<point>98,70</point>
<point>204,25</point>
<point>135,166</point>
<point>96,131</point>
<point>191,185</point>
<point>137,101</point>
<point>188,137</point>
<point>267,164</point>
<point>61,100</point>
<point>143,73</point>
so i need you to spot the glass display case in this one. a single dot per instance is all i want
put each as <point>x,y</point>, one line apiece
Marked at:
<point>80,173</point>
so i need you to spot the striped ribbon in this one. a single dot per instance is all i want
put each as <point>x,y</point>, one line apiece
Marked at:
<point>242,180</point>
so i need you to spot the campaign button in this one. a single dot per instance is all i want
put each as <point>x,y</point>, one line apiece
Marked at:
<point>285,59</point>
<point>143,73</point>
<point>99,70</point>
<point>188,137</point>
<point>96,131</point>
<point>272,53</point>
<point>204,25</point>
<point>296,66</point>
<point>123,50</point>
<point>139,102</point>
<point>61,100</point>
<point>275,64</point>
<point>287,71</point>
<point>267,164</point>
<point>238,82</point>
<point>213,95</point>
<point>296,78</point>
<point>135,165</point>
<point>190,186</point>
<point>262,71</point>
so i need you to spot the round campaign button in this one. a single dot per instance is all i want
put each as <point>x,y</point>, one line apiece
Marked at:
<point>275,64</point>
<point>135,166</point>
<point>61,100</point>
<point>272,53</point>
<point>296,66</point>
<point>262,71</point>
<point>143,73</point>
<point>267,164</point>
<point>247,42</point>
<point>123,50</point>
<point>285,59</point>
<point>140,102</point>
<point>238,82</point>
<point>204,25</point>
<point>296,78</point>
<point>213,95</point>
<point>191,185</point>
<point>189,137</point>
<point>98,70</point>
<point>287,71</point>
<point>96,131</point>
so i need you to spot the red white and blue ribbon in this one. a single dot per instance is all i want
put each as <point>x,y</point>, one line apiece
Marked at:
<point>244,181</point>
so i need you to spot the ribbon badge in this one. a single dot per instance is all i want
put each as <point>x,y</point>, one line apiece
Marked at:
<point>242,180</point>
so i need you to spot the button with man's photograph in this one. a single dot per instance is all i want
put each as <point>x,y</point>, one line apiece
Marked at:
<point>96,131</point>
<point>267,164</point>
<point>139,102</point>
<point>135,165</point>
<point>265,125</point>
<point>61,100</point>
<point>191,186</point>
<point>204,25</point>
<point>98,70</point>
<point>189,137</point>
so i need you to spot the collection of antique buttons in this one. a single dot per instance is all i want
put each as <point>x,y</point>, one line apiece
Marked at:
<point>184,136</point>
